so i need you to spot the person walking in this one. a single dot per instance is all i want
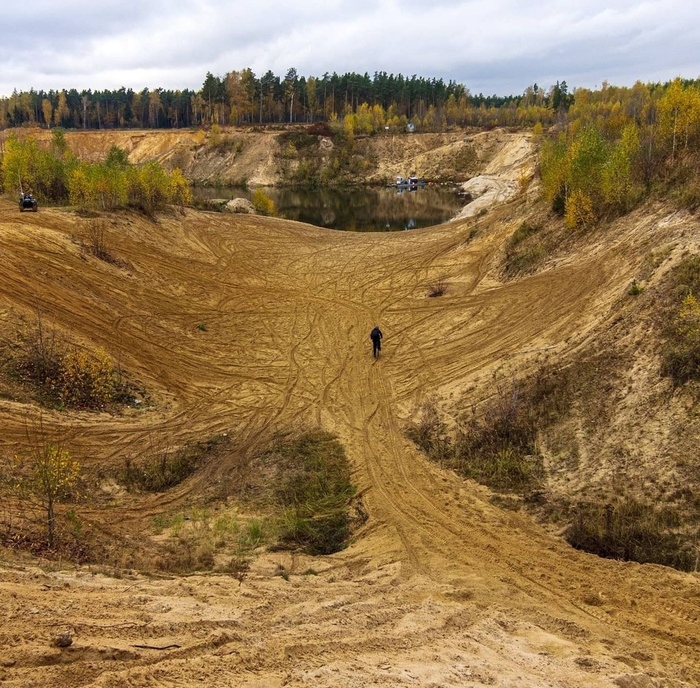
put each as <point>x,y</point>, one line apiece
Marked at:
<point>376,337</point>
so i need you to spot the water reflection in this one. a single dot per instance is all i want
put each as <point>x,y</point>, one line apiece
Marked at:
<point>357,210</point>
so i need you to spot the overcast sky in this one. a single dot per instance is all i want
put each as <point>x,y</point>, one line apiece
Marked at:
<point>490,46</point>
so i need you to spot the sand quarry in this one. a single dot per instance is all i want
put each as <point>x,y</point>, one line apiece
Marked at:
<point>439,587</point>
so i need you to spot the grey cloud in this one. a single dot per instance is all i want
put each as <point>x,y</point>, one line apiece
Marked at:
<point>496,46</point>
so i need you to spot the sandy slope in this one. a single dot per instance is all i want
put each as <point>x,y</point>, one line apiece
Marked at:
<point>440,587</point>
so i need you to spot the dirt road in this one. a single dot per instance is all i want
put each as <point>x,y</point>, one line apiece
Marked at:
<point>440,587</point>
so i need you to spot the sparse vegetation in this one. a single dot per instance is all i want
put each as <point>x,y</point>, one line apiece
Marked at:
<point>634,288</point>
<point>497,446</point>
<point>164,466</point>
<point>681,323</point>
<point>200,540</point>
<point>282,572</point>
<point>466,159</point>
<point>526,249</point>
<point>238,567</point>
<point>97,242</point>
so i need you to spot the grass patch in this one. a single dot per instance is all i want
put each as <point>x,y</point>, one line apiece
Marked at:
<point>199,540</point>
<point>631,530</point>
<point>312,488</point>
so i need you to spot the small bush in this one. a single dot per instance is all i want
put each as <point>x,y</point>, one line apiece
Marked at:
<point>524,249</point>
<point>429,432</point>
<point>263,203</point>
<point>439,288</point>
<point>97,243</point>
<point>87,380</point>
<point>63,374</point>
<point>525,230</point>
<point>579,213</point>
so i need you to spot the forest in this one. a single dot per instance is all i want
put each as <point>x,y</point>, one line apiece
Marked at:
<point>240,98</point>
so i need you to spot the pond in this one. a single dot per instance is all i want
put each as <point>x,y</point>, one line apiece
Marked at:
<point>366,209</point>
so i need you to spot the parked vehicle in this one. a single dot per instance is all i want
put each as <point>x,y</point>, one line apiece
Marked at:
<point>27,202</point>
<point>411,182</point>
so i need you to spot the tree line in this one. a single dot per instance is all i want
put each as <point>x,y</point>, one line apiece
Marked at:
<point>56,175</point>
<point>242,98</point>
<point>617,146</point>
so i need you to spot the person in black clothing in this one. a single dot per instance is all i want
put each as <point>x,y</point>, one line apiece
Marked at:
<point>376,337</point>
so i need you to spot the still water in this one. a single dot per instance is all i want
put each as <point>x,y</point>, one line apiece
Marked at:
<point>356,210</point>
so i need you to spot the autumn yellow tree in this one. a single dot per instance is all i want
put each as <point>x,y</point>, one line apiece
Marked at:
<point>49,475</point>
<point>679,115</point>
<point>47,111</point>
<point>263,203</point>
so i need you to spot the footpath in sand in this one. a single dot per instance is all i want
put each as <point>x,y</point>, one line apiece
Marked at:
<point>440,587</point>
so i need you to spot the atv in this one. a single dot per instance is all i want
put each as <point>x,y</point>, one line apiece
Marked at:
<point>28,202</point>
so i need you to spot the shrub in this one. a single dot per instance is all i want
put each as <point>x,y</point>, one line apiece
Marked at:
<point>64,374</point>
<point>438,288</point>
<point>579,213</point>
<point>429,432</point>
<point>263,203</point>
<point>524,249</point>
<point>87,380</point>
<point>524,230</point>
<point>97,243</point>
